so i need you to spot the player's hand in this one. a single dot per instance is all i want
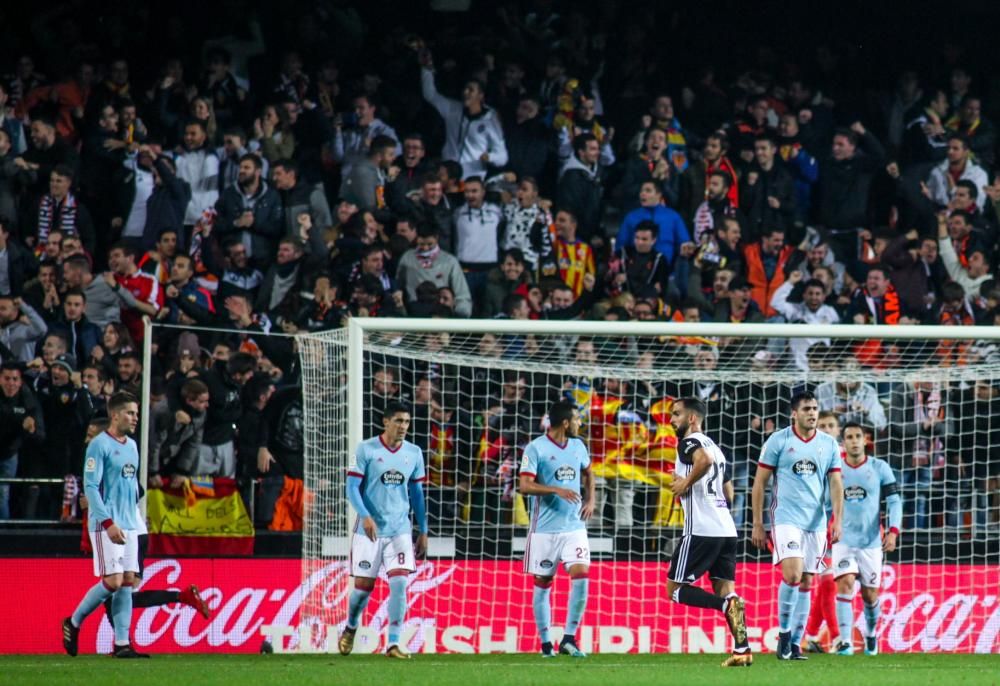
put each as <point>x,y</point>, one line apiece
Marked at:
<point>371,529</point>
<point>759,537</point>
<point>570,496</point>
<point>420,549</point>
<point>889,542</point>
<point>116,534</point>
<point>835,530</point>
<point>679,486</point>
<point>587,511</point>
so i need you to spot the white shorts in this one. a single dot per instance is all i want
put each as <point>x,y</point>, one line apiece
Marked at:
<point>545,551</point>
<point>368,556</point>
<point>865,563</point>
<point>114,558</point>
<point>791,541</point>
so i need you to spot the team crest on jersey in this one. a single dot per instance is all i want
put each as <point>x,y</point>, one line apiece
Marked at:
<point>128,471</point>
<point>364,564</point>
<point>793,545</point>
<point>91,464</point>
<point>545,564</point>
<point>855,493</point>
<point>804,468</point>
<point>565,473</point>
<point>393,478</point>
<point>844,564</point>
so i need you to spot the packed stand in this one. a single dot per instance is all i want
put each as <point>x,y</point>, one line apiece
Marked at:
<point>267,184</point>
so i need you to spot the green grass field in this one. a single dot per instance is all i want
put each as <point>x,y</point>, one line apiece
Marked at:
<point>499,670</point>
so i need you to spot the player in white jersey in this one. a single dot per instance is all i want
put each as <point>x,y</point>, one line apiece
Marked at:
<point>806,465</point>
<point>384,482</point>
<point>554,468</point>
<point>858,555</point>
<point>109,479</point>
<point>702,484</point>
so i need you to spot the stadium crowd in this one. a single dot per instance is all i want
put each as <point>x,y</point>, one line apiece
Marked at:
<point>526,163</point>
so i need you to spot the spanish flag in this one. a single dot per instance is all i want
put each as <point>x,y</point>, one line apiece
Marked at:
<point>204,517</point>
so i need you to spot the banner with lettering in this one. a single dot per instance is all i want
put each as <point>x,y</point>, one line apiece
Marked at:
<point>475,606</point>
<point>205,517</point>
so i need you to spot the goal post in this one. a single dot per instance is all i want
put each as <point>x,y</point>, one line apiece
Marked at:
<point>479,390</point>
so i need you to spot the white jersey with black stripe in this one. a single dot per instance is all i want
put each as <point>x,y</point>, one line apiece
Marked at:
<point>706,511</point>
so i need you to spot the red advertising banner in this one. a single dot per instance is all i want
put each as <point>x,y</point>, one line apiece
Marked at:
<point>475,606</point>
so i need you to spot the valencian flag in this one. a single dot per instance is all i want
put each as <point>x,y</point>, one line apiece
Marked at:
<point>204,517</point>
<point>623,446</point>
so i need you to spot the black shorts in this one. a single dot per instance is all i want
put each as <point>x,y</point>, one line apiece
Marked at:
<point>697,555</point>
<point>143,546</point>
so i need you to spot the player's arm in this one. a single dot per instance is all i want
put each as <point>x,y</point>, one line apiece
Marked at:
<point>528,486</point>
<point>727,486</point>
<point>590,491</point>
<point>415,489</point>
<point>765,466</point>
<point>93,475</point>
<point>894,503</point>
<point>355,477</point>
<point>837,503</point>
<point>700,462</point>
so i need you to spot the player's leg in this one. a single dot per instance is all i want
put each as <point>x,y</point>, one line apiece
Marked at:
<point>870,573</point>
<point>788,553</point>
<point>823,609</point>
<point>575,556</point>
<point>813,552</point>
<point>365,559</point>
<point>723,576</point>
<point>399,560</point>
<point>846,565</point>
<point>690,561</point>
<point>121,601</point>
<point>539,555</point>
<point>108,568</point>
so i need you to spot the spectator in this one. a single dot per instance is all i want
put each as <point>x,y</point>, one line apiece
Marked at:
<point>145,289</point>
<point>365,184</point>
<point>478,225</point>
<point>116,341</point>
<point>767,262</point>
<point>198,165</point>
<point>803,166</point>
<point>977,129</point>
<point>957,167</point>
<point>353,146</point>
<point>428,262</point>
<point>529,140</point>
<point>528,226</point>
<point>82,334</point>
<point>176,436</point>
<point>150,198</point>
<point>297,198</point>
<point>916,271</point>
<point>11,125</point>
<point>47,151</point>
<point>284,281</point>
<point>410,176</point>
<point>158,261</point>
<point>640,265</point>
<point>846,179</point>
<point>250,212</point>
<point>877,302</point>
<point>60,210</point>
<point>738,306</point>
<point>767,192</point>
<point>511,278</point>
<point>852,400</point>
<point>234,147</point>
<point>713,211</point>
<point>22,424</point>
<point>585,121</point>
<point>811,310</point>
<point>673,240</point>
<point>16,334</point>
<point>184,291</point>
<point>696,178</point>
<point>274,134</point>
<point>216,454</point>
<point>652,165</point>
<point>574,258</point>
<point>924,139</point>
<point>473,135</point>
<point>434,207</point>
<point>580,188</point>
<point>236,276</point>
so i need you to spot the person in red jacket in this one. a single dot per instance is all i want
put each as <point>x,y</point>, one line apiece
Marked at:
<point>144,287</point>
<point>766,262</point>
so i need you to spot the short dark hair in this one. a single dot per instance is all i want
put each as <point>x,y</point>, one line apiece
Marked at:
<point>200,123</point>
<point>956,136</point>
<point>851,425</point>
<point>475,179</point>
<point>694,405</point>
<point>965,215</point>
<point>290,166</point>
<point>969,186</point>
<point>192,388</point>
<point>11,366</point>
<point>727,180</point>
<point>561,411</point>
<point>250,157</point>
<point>75,291</point>
<point>241,363</point>
<point>64,170</point>
<point>119,400</point>
<point>846,133</point>
<point>380,143</point>
<point>800,398</point>
<point>428,230</point>
<point>392,408</point>
<point>648,225</point>
<point>580,141</point>
<point>127,249</point>
<point>813,283</point>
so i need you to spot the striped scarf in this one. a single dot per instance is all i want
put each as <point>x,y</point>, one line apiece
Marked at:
<point>54,215</point>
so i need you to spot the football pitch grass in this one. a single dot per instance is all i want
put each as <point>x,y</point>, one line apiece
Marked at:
<point>499,670</point>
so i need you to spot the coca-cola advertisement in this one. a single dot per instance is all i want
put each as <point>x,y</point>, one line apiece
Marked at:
<point>461,606</point>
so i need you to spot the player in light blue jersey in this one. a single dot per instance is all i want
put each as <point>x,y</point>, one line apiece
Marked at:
<point>553,470</point>
<point>111,485</point>
<point>806,465</point>
<point>858,554</point>
<point>384,482</point>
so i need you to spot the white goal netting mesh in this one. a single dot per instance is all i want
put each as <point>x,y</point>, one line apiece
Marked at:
<point>931,408</point>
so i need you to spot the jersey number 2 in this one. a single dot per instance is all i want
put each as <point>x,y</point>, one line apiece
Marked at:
<point>711,487</point>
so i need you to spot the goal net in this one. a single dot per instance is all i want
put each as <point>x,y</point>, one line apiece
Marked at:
<point>928,397</point>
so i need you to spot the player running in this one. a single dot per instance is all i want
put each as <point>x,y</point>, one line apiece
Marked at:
<point>384,481</point>
<point>709,543</point>
<point>858,555</point>
<point>805,464</point>
<point>112,490</point>
<point>553,468</point>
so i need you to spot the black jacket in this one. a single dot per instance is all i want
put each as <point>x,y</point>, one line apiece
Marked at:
<point>224,407</point>
<point>21,267</point>
<point>13,412</point>
<point>164,208</point>
<point>760,216</point>
<point>581,191</point>
<point>267,219</point>
<point>282,429</point>
<point>845,185</point>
